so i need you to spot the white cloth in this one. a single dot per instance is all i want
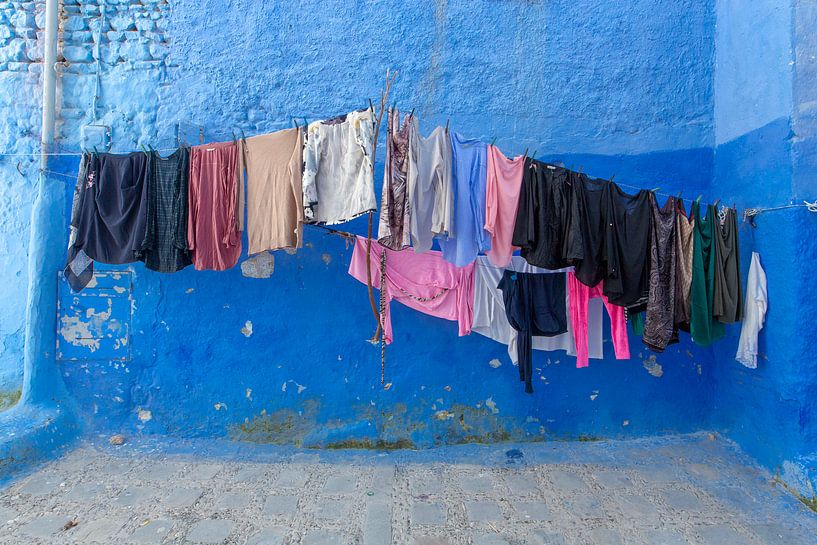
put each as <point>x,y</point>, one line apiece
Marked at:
<point>491,321</point>
<point>754,313</point>
<point>431,192</point>
<point>338,178</point>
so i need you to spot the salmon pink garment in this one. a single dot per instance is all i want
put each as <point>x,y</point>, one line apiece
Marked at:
<point>579,296</point>
<point>424,282</point>
<point>215,206</point>
<point>501,202</point>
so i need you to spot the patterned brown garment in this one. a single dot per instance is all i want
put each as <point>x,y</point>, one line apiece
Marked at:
<point>659,325</point>
<point>394,231</point>
<point>684,227</point>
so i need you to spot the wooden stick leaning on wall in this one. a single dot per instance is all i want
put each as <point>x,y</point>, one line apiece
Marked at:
<point>384,95</point>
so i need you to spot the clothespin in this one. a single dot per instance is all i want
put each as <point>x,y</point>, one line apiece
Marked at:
<point>525,155</point>
<point>716,203</point>
<point>201,135</point>
<point>580,169</point>
<point>295,121</point>
<point>95,151</point>
<point>234,138</point>
<point>412,113</point>
<point>371,105</point>
<point>534,155</point>
<point>150,147</point>
<point>243,137</point>
<point>611,178</point>
<point>144,149</point>
<point>698,200</point>
<point>656,190</point>
<point>493,140</point>
<point>446,125</point>
<point>305,122</point>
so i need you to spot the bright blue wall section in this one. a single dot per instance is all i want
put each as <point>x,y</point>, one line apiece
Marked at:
<point>765,130</point>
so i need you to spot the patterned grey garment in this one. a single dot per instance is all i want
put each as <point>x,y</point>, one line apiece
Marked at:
<point>684,239</point>
<point>394,231</point>
<point>79,268</point>
<point>659,325</point>
<point>164,248</point>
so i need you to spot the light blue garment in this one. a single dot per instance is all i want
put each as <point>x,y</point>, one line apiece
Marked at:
<point>470,172</point>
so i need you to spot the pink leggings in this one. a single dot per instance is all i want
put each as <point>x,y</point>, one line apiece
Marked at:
<point>580,295</point>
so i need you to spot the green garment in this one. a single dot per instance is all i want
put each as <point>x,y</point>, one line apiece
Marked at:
<point>703,326</point>
<point>637,323</point>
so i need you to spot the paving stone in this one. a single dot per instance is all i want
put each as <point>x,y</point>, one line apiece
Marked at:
<point>332,510</point>
<point>566,481</point>
<point>377,528</point>
<point>134,496</point>
<point>428,485</point>
<point>428,514</point>
<point>612,479</point>
<point>545,537</point>
<point>210,531</point>
<point>44,526</point>
<point>775,534</point>
<point>682,500</point>
<point>86,492</point>
<point>181,498</point>
<point>604,536</point>
<point>203,472</point>
<point>665,537</point>
<point>533,510</point>
<point>322,537</point>
<point>340,484</point>
<point>277,506</point>
<point>636,507</point>
<point>7,515</point>
<point>152,533</point>
<point>40,485</point>
<point>162,472</point>
<point>233,501</point>
<point>658,474</point>
<point>97,531</point>
<point>522,484</point>
<point>291,478</point>
<point>253,473</point>
<point>490,539</point>
<point>477,485</point>
<point>268,536</point>
<point>720,534</point>
<point>430,540</point>
<point>479,511</point>
<point>584,507</point>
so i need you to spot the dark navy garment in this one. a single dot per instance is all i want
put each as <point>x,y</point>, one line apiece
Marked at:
<point>108,223</point>
<point>535,306</point>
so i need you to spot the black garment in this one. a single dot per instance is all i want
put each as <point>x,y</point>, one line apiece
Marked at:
<point>108,216</point>
<point>591,198</point>
<point>79,268</point>
<point>164,248</point>
<point>627,246</point>
<point>659,326</point>
<point>728,301</point>
<point>535,305</point>
<point>547,226</point>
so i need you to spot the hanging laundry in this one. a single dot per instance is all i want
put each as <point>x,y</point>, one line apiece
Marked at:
<point>164,248</point>
<point>754,313</point>
<point>591,198</point>
<point>579,297</point>
<point>548,223</point>
<point>491,321</point>
<point>703,325</point>
<point>424,282</point>
<point>431,191</point>
<point>728,294</point>
<point>534,306</point>
<point>503,183</point>
<point>627,253</point>
<point>216,205</point>
<point>275,212</point>
<point>659,321</point>
<point>338,178</point>
<point>684,233</point>
<point>108,213</point>
<point>394,230</point>
<point>470,169</point>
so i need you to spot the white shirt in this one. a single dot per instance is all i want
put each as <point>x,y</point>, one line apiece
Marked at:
<point>490,318</point>
<point>338,179</point>
<point>754,314</point>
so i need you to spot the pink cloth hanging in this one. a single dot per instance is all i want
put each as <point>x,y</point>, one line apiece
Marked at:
<point>424,282</point>
<point>502,189</point>
<point>579,296</point>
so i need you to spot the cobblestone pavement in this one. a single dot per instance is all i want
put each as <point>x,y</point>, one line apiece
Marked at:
<point>668,491</point>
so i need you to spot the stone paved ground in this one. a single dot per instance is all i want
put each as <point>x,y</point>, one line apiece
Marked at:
<point>668,491</point>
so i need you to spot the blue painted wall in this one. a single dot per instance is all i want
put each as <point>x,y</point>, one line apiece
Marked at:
<point>765,136</point>
<point>630,89</point>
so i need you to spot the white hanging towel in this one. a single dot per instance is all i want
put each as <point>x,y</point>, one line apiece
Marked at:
<point>491,321</point>
<point>754,313</point>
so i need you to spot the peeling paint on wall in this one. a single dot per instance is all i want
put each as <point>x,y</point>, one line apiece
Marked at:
<point>259,266</point>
